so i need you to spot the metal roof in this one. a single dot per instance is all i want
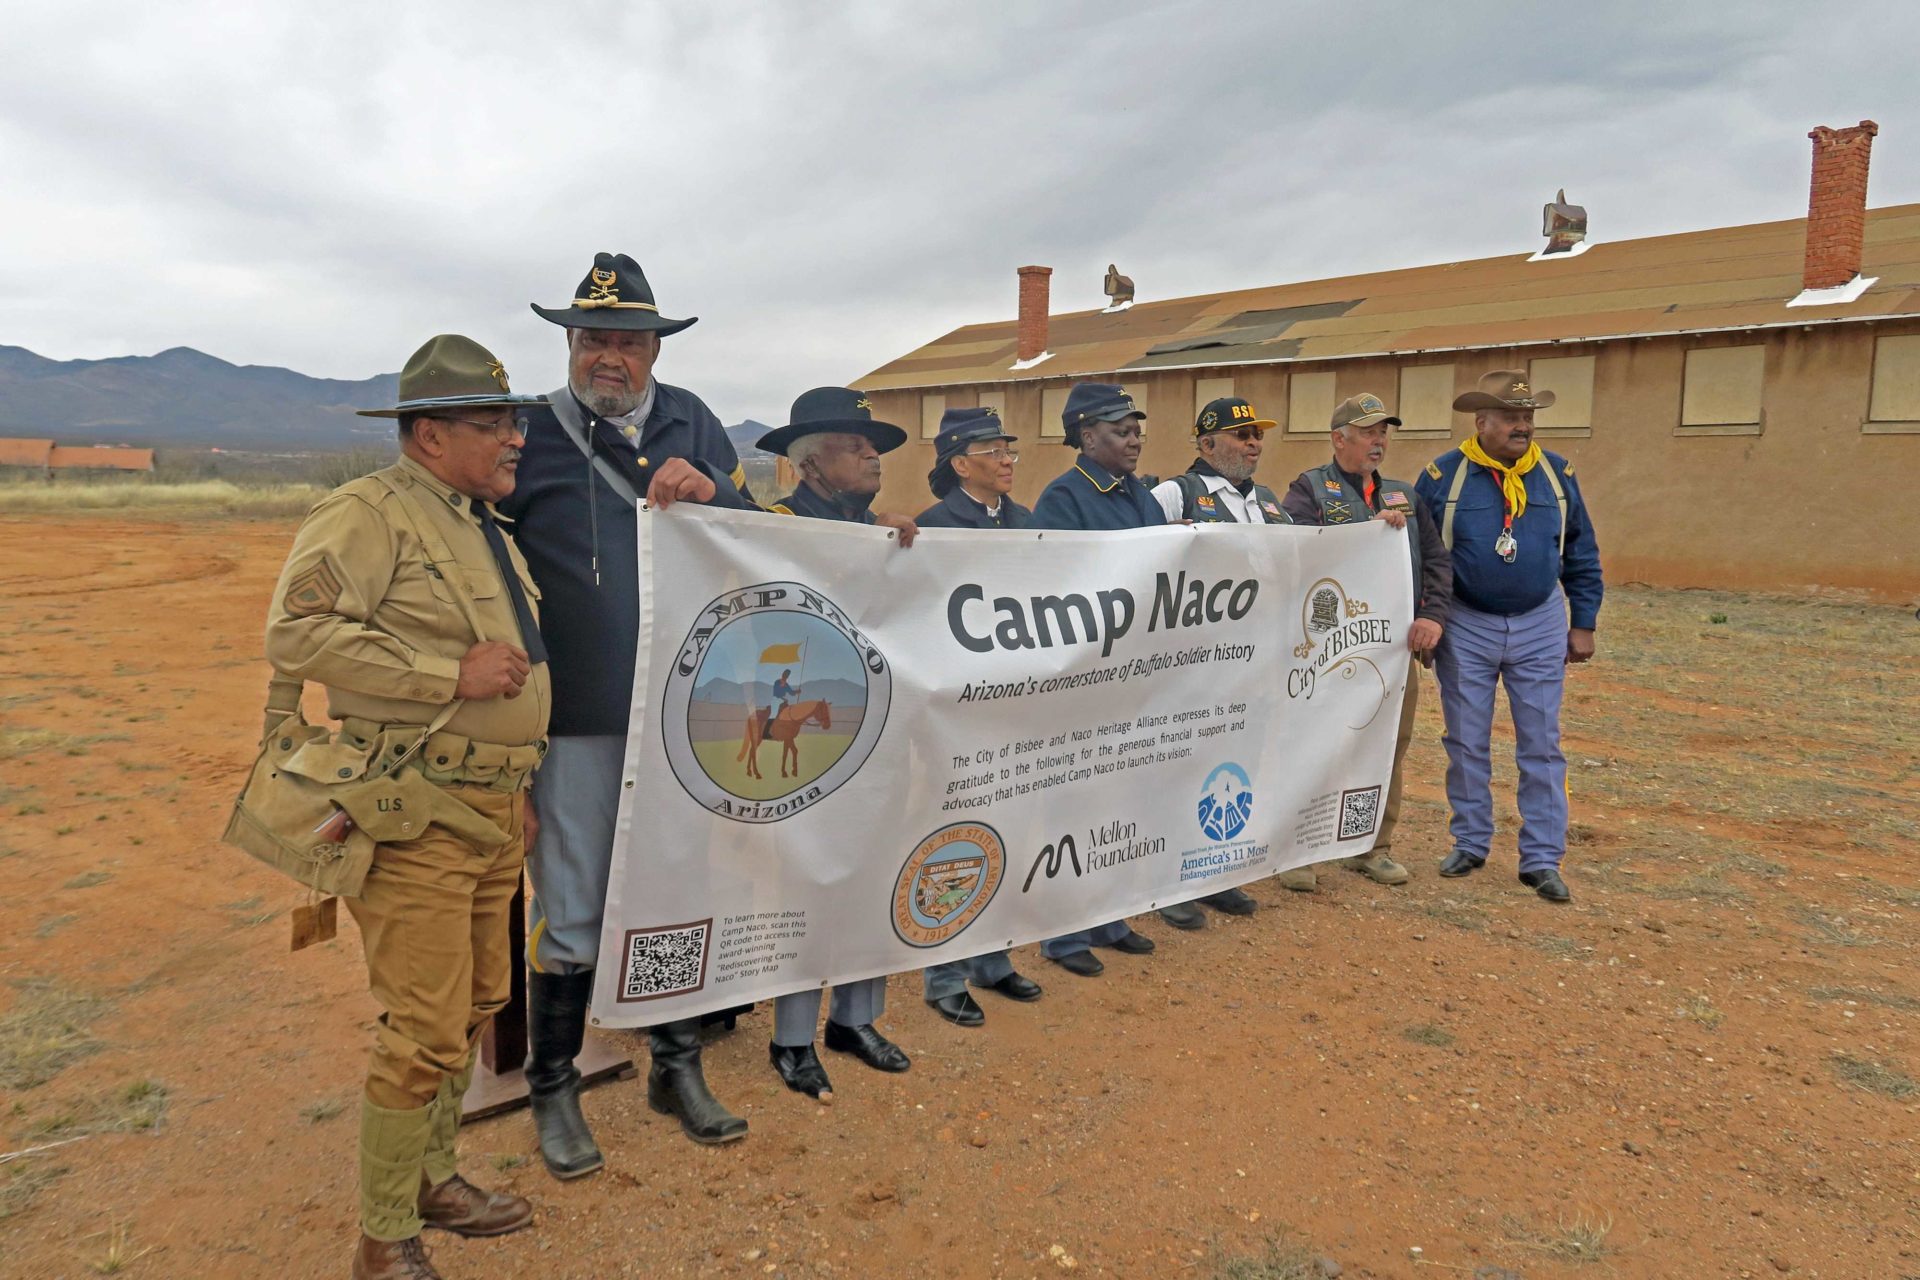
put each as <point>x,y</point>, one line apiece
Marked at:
<point>1728,278</point>
<point>104,457</point>
<point>25,453</point>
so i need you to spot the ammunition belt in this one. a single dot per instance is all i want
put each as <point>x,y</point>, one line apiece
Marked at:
<point>450,759</point>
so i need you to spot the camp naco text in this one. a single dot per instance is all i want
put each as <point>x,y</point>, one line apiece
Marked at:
<point>1041,622</point>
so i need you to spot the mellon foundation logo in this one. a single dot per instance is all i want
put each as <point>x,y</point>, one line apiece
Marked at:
<point>774,701</point>
<point>947,881</point>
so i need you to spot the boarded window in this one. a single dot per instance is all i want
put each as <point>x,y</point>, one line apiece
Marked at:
<point>996,401</point>
<point>1723,389</point>
<point>1310,402</point>
<point>931,408</point>
<point>1570,378</point>
<point>1053,402</point>
<point>1895,401</point>
<point>1426,400</point>
<point>1205,391</point>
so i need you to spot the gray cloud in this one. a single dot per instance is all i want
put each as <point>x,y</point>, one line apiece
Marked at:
<point>829,185</point>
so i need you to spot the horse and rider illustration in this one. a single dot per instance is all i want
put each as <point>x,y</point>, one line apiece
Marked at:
<point>781,722</point>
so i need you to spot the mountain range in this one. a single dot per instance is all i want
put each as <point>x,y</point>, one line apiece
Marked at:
<point>182,398</point>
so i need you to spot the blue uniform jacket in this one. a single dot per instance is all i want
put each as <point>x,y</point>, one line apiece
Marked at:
<point>565,515</point>
<point>805,502</point>
<point>958,511</point>
<point>1088,496</point>
<point>1481,578</point>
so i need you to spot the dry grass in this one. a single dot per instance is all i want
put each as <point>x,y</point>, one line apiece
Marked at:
<point>322,1110</point>
<point>1428,1034</point>
<point>1861,995</point>
<point>1701,1009</point>
<point>44,1032</point>
<point>199,497</point>
<point>1579,1239</point>
<point>23,1180</point>
<point>1274,1260</point>
<point>137,1108</point>
<point>1874,1077</point>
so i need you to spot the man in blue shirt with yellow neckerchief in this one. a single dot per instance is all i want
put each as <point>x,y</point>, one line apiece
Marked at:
<point>1526,595</point>
<point>1100,491</point>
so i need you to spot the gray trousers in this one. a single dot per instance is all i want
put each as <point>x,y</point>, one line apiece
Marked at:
<point>855,1004</point>
<point>950,979</point>
<point>1101,935</point>
<point>577,795</point>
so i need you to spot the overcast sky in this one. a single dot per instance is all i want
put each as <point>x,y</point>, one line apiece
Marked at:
<point>828,185</point>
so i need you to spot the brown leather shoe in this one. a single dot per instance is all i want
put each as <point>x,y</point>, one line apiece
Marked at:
<point>458,1206</point>
<point>392,1260</point>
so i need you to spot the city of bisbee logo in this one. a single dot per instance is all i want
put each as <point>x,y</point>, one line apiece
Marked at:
<point>946,882</point>
<point>1334,630</point>
<point>774,700</point>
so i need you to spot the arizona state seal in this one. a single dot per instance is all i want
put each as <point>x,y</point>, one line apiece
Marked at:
<point>947,881</point>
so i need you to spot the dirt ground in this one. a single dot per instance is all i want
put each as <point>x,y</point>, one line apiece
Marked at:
<point>1701,1068</point>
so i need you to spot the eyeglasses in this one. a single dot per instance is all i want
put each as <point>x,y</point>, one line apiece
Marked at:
<point>1245,435</point>
<point>500,431</point>
<point>998,455</point>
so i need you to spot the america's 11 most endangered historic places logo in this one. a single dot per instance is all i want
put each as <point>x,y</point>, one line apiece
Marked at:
<point>946,882</point>
<point>774,700</point>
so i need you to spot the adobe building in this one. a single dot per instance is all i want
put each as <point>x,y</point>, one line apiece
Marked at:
<point>1730,397</point>
<point>46,460</point>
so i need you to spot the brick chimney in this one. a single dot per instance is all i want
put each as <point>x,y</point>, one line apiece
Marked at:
<point>1032,334</point>
<point>1837,204</point>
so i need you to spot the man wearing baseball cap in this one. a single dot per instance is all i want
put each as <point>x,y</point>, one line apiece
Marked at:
<point>1348,490</point>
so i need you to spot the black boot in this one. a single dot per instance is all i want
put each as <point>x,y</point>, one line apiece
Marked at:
<point>676,1087</point>
<point>556,1027</point>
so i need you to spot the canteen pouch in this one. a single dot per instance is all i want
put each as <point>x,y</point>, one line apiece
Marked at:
<point>280,815</point>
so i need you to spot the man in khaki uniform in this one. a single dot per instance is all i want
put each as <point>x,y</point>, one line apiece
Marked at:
<point>404,598</point>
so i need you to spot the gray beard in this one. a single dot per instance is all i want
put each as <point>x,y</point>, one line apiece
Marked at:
<point>609,404</point>
<point>1239,472</point>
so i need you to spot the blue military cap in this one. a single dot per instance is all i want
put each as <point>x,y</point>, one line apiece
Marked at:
<point>962,427</point>
<point>1096,402</point>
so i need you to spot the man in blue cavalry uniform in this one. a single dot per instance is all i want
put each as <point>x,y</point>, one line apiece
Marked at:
<point>1100,491</point>
<point>972,477</point>
<point>784,692</point>
<point>1219,488</point>
<point>1526,596</point>
<point>1351,489</point>
<point>610,436</point>
<point>835,444</point>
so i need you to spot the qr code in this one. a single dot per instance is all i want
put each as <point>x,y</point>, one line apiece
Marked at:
<point>665,962</point>
<point>1359,813</point>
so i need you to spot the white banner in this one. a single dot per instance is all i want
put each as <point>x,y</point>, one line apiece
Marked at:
<point>983,740</point>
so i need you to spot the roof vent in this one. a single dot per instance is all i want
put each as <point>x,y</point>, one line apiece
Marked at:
<point>1119,289</point>
<point>1564,225</point>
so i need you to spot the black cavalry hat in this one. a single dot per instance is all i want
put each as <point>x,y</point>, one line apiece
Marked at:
<point>615,295</point>
<point>833,409</point>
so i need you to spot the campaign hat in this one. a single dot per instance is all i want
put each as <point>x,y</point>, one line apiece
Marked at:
<point>1363,410</point>
<point>839,409</point>
<point>1229,413</point>
<point>1095,402</point>
<point>452,372</point>
<point>614,295</point>
<point>1504,389</point>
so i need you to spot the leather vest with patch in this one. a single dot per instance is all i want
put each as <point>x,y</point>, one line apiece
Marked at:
<point>1340,503</point>
<point>1193,488</point>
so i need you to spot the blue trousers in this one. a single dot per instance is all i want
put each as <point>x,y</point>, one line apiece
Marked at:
<point>577,796</point>
<point>855,1004</point>
<point>1099,936</point>
<point>950,979</point>
<point>1528,653</point>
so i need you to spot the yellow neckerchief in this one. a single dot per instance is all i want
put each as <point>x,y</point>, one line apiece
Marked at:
<point>1513,484</point>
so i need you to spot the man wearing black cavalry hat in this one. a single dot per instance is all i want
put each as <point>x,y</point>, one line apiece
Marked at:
<point>403,597</point>
<point>612,435</point>
<point>1100,491</point>
<point>835,444</point>
<point>973,477</point>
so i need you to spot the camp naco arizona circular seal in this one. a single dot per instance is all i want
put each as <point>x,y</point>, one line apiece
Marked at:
<point>946,882</point>
<point>774,700</point>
